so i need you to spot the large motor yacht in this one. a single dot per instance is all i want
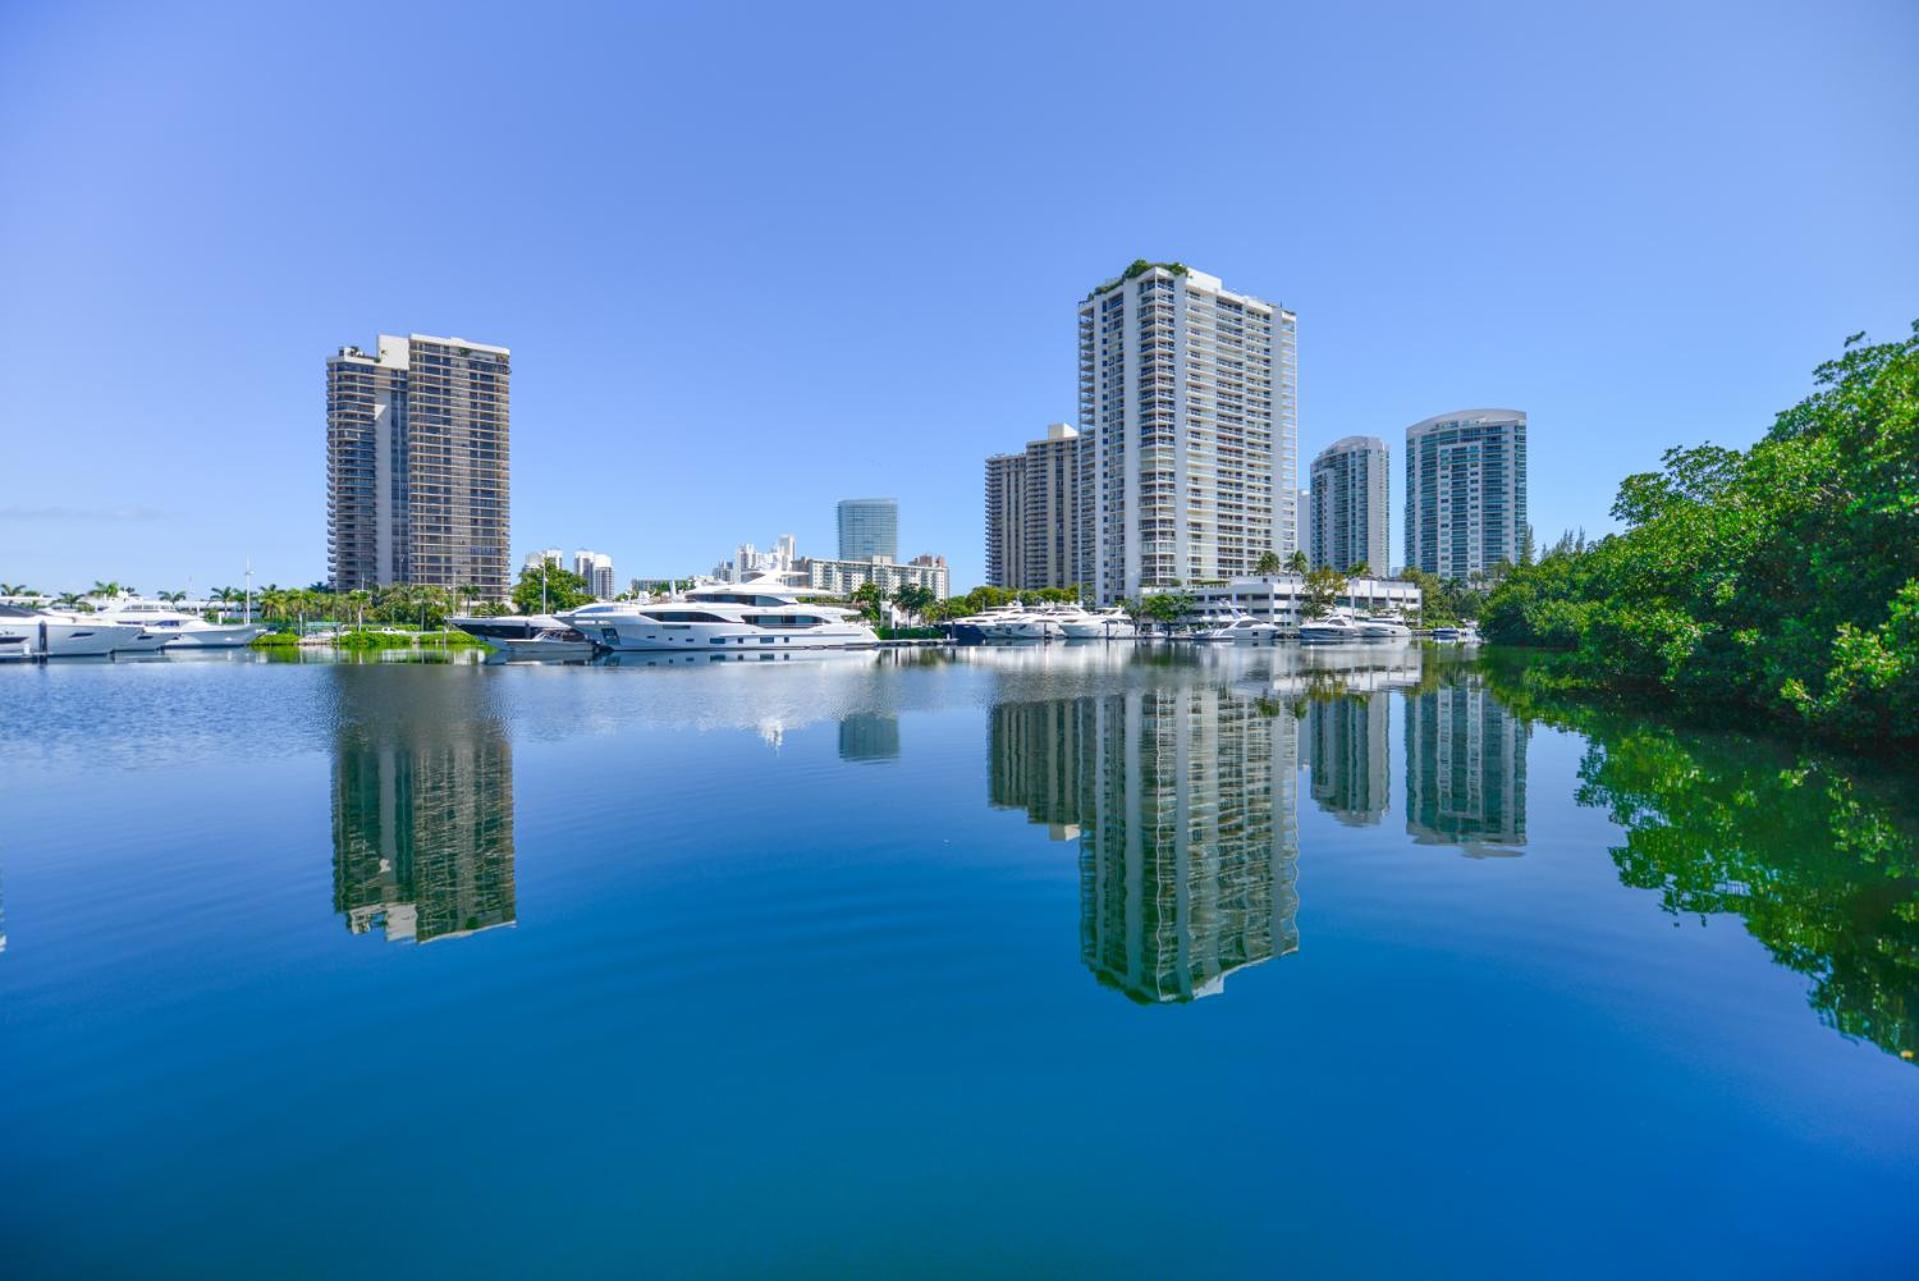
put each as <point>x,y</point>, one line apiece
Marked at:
<point>1104,624</point>
<point>1002,622</point>
<point>61,635</point>
<point>508,632</point>
<point>1383,628</point>
<point>1334,628</point>
<point>764,616</point>
<point>178,630</point>
<point>1241,629</point>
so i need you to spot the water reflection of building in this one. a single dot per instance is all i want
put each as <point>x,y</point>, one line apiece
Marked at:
<point>869,736</point>
<point>422,818</point>
<point>1188,860</point>
<point>1036,762</point>
<point>1465,769</point>
<point>1346,753</point>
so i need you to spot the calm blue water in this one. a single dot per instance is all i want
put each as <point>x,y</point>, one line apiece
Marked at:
<point>1040,962</point>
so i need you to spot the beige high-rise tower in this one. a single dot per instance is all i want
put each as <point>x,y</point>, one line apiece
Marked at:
<point>417,465</point>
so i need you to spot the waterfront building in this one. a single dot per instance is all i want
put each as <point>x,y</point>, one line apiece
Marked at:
<point>1006,520</point>
<point>869,528</point>
<point>1466,491</point>
<point>1465,769</point>
<point>844,577</point>
<point>596,570</point>
<point>547,556</point>
<point>1347,522</point>
<point>1281,598</point>
<point>1188,403</point>
<point>423,819</point>
<point>417,465</point>
<point>1032,513</point>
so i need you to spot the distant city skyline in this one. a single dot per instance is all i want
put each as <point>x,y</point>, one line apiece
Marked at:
<point>176,196</point>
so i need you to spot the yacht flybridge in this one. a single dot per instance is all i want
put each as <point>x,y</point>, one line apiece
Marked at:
<point>762,616</point>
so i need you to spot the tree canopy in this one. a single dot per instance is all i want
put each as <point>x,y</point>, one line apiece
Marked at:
<point>1783,578</point>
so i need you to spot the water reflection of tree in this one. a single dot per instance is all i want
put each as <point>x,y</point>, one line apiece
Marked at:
<point>1823,872</point>
<point>1819,860</point>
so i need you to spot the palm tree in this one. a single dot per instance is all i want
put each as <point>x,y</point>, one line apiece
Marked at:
<point>72,600</point>
<point>1296,563</point>
<point>1268,564</point>
<point>173,598</point>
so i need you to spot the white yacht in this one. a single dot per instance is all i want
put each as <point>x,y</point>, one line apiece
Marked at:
<point>1241,629</point>
<point>502,631</point>
<point>1104,624</point>
<point>1009,622</point>
<point>1382,628</point>
<point>1465,634</point>
<point>764,616</point>
<point>554,644</point>
<point>1334,628</point>
<point>62,635</point>
<point>974,628</point>
<point>176,629</point>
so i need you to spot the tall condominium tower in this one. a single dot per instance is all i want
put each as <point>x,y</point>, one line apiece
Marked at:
<point>1465,491</point>
<point>1032,513</point>
<point>1347,524</point>
<point>417,465</point>
<point>1188,398</point>
<point>869,528</point>
<point>1006,520</point>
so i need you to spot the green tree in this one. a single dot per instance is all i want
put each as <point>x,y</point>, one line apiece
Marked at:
<point>1323,586</point>
<point>564,590</point>
<point>1168,608</point>
<point>1296,563</point>
<point>1783,578</point>
<point>871,600</point>
<point>1268,564</point>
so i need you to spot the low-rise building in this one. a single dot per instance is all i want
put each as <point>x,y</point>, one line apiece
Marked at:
<point>1281,598</point>
<point>844,577</point>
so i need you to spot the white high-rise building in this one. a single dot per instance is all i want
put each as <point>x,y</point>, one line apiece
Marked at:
<point>546,556</point>
<point>597,569</point>
<point>1189,401</point>
<point>1347,524</point>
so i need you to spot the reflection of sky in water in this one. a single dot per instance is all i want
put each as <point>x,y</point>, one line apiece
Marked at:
<point>821,965</point>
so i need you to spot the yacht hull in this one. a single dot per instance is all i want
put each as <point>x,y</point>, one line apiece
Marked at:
<point>644,636</point>
<point>216,636</point>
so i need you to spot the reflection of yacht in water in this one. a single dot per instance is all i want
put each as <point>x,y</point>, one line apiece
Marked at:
<point>422,806</point>
<point>1465,769</point>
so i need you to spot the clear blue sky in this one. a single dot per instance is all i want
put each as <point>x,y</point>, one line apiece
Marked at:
<point>753,262</point>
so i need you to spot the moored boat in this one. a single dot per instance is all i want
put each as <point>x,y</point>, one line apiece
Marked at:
<point>764,615</point>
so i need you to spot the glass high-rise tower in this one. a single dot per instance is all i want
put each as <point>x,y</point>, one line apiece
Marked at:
<point>1466,491</point>
<point>417,465</point>
<point>869,528</point>
<point>1347,525</point>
